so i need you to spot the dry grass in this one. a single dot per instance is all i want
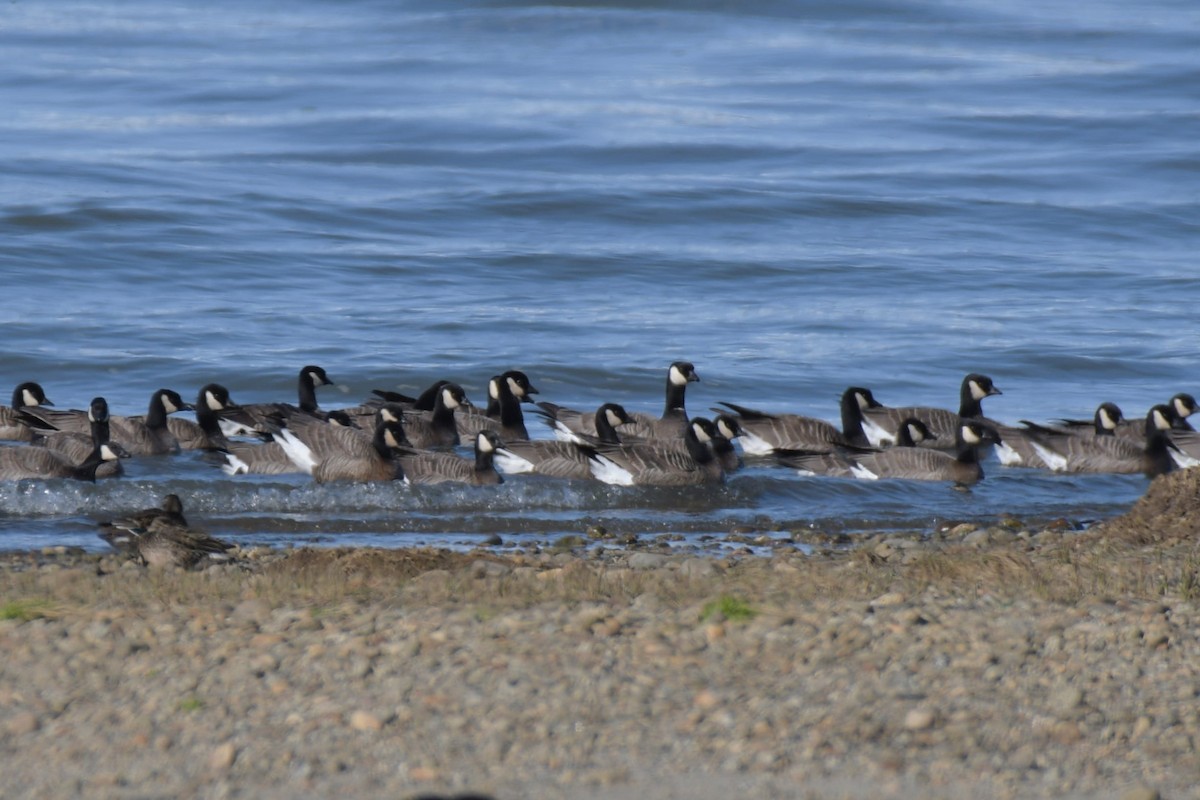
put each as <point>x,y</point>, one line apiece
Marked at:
<point>1151,553</point>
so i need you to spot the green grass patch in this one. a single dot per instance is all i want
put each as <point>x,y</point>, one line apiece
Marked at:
<point>24,610</point>
<point>191,704</point>
<point>731,608</point>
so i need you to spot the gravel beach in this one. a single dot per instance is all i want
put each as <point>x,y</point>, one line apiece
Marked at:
<point>994,662</point>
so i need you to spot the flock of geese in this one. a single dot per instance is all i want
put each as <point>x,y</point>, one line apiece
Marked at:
<point>391,437</point>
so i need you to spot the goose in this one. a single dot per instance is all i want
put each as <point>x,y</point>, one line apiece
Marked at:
<point>728,428</point>
<point>436,428</point>
<point>429,466</point>
<point>839,461</point>
<point>925,464</point>
<point>212,405</point>
<point>880,422</point>
<point>506,392</point>
<point>656,463</point>
<point>74,448</point>
<point>18,463</point>
<point>672,424</point>
<point>1106,452</point>
<point>141,435</point>
<point>1022,447</point>
<point>764,433</point>
<point>333,453</point>
<point>255,415</point>
<point>557,458</point>
<point>27,395</point>
<point>168,544</point>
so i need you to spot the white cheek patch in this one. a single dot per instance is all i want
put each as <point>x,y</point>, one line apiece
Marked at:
<point>1106,420</point>
<point>213,403</point>
<point>977,391</point>
<point>389,437</point>
<point>515,388</point>
<point>701,434</point>
<point>1183,408</point>
<point>485,444</point>
<point>493,389</point>
<point>970,436</point>
<point>316,379</point>
<point>1160,421</point>
<point>169,406</point>
<point>863,402</point>
<point>677,376</point>
<point>915,434</point>
<point>449,399</point>
<point>726,431</point>
<point>613,419</point>
<point>28,398</point>
<point>107,453</point>
<point>387,415</point>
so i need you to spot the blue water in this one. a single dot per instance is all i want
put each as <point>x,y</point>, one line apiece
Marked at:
<point>797,198</point>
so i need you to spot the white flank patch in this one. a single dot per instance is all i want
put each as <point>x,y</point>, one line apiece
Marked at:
<point>296,450</point>
<point>1008,456</point>
<point>876,434</point>
<point>234,465</point>
<point>1183,460</point>
<point>754,444</point>
<point>231,428</point>
<point>565,434</point>
<point>1055,461</point>
<point>608,471</point>
<point>510,463</point>
<point>862,473</point>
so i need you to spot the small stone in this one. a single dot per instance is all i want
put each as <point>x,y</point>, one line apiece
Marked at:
<point>1065,700</point>
<point>919,719</point>
<point>888,600</point>
<point>706,700</point>
<point>222,757</point>
<point>1141,793</point>
<point>365,721</point>
<point>647,560</point>
<point>424,774</point>
<point>23,723</point>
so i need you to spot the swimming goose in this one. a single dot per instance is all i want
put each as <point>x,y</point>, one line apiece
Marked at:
<point>212,405</point>
<point>880,422</point>
<point>429,466</point>
<point>436,428</point>
<point>672,424</point>
<point>558,458</point>
<point>727,428</point>
<point>506,392</point>
<point>763,433</point>
<point>25,396</point>
<point>18,462</point>
<point>925,464</point>
<point>1108,453</point>
<point>142,435</point>
<point>840,461</point>
<point>73,447</point>
<point>1022,447</point>
<point>255,415</point>
<point>333,453</point>
<point>657,463</point>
